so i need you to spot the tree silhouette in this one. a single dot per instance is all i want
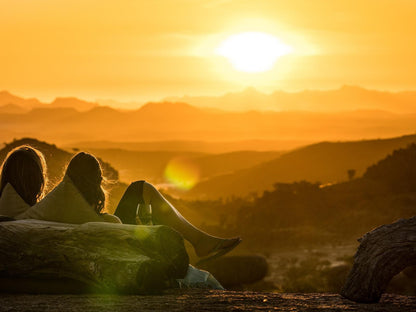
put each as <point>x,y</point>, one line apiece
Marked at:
<point>351,174</point>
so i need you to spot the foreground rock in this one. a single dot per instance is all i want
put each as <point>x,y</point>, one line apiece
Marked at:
<point>383,253</point>
<point>197,300</point>
<point>47,257</point>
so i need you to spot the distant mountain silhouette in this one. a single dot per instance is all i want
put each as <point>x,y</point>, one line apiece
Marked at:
<point>209,147</point>
<point>12,109</point>
<point>346,98</point>
<point>157,108</point>
<point>69,120</point>
<point>51,113</point>
<point>120,105</point>
<point>72,102</point>
<point>326,162</point>
<point>182,122</point>
<point>8,98</point>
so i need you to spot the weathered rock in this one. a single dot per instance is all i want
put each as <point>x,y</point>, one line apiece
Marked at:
<point>190,300</point>
<point>237,270</point>
<point>383,253</point>
<point>98,257</point>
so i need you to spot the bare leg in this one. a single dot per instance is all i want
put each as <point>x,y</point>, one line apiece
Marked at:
<point>164,213</point>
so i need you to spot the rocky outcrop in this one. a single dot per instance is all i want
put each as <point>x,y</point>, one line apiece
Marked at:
<point>92,257</point>
<point>383,253</point>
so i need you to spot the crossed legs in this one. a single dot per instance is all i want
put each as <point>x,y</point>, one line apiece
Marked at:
<point>165,214</point>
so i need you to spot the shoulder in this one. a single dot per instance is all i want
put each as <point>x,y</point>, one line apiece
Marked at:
<point>110,218</point>
<point>63,204</point>
<point>11,203</point>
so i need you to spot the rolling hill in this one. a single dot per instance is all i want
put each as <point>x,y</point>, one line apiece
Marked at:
<point>211,147</point>
<point>151,165</point>
<point>325,162</point>
<point>72,102</point>
<point>346,98</point>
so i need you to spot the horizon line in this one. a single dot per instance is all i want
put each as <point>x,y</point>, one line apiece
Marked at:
<point>99,101</point>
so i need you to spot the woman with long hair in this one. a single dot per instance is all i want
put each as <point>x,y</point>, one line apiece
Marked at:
<point>77,199</point>
<point>22,181</point>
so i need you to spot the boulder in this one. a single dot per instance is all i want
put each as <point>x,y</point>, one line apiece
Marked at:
<point>383,253</point>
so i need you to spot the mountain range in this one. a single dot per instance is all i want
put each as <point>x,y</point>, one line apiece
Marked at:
<point>13,104</point>
<point>70,120</point>
<point>346,98</point>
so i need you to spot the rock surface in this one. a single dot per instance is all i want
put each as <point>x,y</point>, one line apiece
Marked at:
<point>200,300</point>
<point>383,253</point>
<point>96,256</point>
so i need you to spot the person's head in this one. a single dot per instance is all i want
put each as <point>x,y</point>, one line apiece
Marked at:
<point>85,172</point>
<point>25,169</point>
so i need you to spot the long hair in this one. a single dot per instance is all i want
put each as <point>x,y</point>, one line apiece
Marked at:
<point>25,169</point>
<point>85,172</point>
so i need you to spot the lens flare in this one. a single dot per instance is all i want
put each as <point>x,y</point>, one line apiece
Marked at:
<point>182,173</point>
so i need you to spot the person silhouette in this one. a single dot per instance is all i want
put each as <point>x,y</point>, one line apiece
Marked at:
<point>22,180</point>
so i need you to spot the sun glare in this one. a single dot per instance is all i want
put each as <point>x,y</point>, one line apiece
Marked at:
<point>182,173</point>
<point>253,51</point>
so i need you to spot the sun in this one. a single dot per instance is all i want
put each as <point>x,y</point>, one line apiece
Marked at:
<point>252,52</point>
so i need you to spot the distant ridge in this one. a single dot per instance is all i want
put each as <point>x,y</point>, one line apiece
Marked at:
<point>184,122</point>
<point>73,102</point>
<point>6,98</point>
<point>325,162</point>
<point>346,98</point>
<point>12,109</point>
<point>348,113</point>
<point>192,146</point>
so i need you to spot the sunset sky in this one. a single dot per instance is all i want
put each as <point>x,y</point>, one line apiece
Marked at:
<point>132,50</point>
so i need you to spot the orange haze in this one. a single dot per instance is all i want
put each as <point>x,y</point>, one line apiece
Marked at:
<point>146,50</point>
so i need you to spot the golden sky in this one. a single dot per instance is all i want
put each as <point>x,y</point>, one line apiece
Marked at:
<point>131,50</point>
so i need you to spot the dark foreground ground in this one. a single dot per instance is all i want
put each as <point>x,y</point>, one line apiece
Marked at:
<point>201,300</point>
